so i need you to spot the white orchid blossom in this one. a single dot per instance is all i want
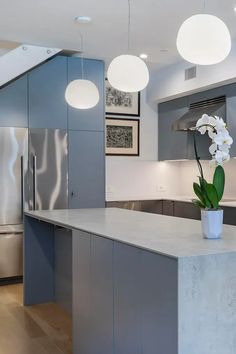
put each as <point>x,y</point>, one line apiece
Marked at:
<point>218,133</point>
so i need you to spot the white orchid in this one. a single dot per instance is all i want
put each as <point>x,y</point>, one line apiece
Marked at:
<point>223,138</point>
<point>221,157</point>
<point>218,133</point>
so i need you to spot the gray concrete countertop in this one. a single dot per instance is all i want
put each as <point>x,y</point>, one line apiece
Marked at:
<point>171,236</point>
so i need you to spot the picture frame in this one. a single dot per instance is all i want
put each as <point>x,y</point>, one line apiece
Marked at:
<point>121,103</point>
<point>122,137</point>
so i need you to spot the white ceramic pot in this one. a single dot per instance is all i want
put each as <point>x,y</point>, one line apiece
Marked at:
<point>212,223</point>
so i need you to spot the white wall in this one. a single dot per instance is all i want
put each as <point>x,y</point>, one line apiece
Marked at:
<point>144,177</point>
<point>169,82</point>
<point>188,173</point>
<point>141,177</point>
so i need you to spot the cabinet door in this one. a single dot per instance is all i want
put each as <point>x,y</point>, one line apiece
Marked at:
<point>127,299</point>
<point>229,215</point>
<point>187,210</point>
<point>92,294</point>
<point>47,85</point>
<point>151,206</point>
<point>86,169</point>
<point>230,113</point>
<point>14,103</point>
<point>168,207</point>
<point>94,118</point>
<point>159,292</point>
<point>172,145</point>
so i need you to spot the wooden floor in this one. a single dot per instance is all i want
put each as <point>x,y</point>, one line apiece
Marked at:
<point>40,329</point>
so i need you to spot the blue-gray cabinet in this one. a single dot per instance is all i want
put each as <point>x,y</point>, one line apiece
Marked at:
<point>177,145</point>
<point>172,145</point>
<point>90,119</point>
<point>14,104</point>
<point>47,85</point>
<point>86,169</point>
<point>125,299</point>
<point>92,294</point>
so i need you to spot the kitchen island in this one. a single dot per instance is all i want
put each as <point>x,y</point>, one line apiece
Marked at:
<point>141,283</point>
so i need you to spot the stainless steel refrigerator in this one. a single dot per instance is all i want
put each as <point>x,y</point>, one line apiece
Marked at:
<point>13,183</point>
<point>33,175</point>
<point>48,169</point>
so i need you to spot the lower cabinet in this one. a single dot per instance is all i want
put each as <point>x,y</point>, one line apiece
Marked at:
<point>186,210</point>
<point>86,169</point>
<point>168,207</point>
<point>125,298</point>
<point>148,206</point>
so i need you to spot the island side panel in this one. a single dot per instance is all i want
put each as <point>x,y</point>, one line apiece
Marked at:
<point>159,289</point>
<point>39,261</point>
<point>145,302</point>
<point>207,304</point>
<point>92,294</point>
<point>63,268</point>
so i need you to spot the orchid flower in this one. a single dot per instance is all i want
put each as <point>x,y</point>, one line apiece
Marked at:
<point>218,133</point>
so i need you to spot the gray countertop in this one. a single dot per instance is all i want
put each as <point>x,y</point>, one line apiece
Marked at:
<point>171,236</point>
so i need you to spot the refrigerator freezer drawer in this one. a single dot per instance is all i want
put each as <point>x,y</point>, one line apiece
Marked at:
<point>11,255</point>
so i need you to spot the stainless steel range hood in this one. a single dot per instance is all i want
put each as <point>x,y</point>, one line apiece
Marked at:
<point>212,107</point>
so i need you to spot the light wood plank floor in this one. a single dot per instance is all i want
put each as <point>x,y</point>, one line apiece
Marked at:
<point>39,329</point>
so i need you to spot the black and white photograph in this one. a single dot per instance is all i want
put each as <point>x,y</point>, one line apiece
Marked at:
<point>122,137</point>
<point>122,103</point>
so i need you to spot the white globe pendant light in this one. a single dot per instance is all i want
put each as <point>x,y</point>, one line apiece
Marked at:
<point>128,73</point>
<point>82,94</point>
<point>204,40</point>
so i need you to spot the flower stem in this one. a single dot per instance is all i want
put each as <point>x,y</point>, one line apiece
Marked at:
<point>196,155</point>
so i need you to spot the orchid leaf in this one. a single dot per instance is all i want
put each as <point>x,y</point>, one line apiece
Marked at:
<point>219,181</point>
<point>198,191</point>
<point>212,195</point>
<point>198,203</point>
<point>203,184</point>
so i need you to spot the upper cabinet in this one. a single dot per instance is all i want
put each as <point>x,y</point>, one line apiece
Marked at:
<point>172,145</point>
<point>90,119</point>
<point>47,85</point>
<point>175,145</point>
<point>14,104</point>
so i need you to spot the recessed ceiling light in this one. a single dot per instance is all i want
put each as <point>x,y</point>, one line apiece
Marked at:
<point>83,19</point>
<point>143,56</point>
<point>235,8</point>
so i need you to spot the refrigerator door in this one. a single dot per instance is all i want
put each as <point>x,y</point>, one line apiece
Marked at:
<point>48,169</point>
<point>13,174</point>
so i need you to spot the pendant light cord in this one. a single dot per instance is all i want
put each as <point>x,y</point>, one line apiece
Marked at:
<point>129,22</point>
<point>204,6</point>
<point>82,54</point>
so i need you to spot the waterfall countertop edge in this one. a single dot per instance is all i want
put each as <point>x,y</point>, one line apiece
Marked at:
<point>166,235</point>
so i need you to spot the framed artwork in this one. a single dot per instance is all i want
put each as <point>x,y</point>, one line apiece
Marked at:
<point>122,103</point>
<point>122,136</point>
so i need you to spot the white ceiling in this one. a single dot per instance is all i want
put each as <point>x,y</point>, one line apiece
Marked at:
<point>154,25</point>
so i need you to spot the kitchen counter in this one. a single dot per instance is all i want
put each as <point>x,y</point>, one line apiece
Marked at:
<point>229,202</point>
<point>141,283</point>
<point>174,237</point>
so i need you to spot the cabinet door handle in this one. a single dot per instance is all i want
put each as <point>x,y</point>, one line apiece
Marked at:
<point>72,194</point>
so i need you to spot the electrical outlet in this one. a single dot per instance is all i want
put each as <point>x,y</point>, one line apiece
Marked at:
<point>110,189</point>
<point>160,188</point>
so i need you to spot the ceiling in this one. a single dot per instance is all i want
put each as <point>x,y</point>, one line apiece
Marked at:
<point>154,25</point>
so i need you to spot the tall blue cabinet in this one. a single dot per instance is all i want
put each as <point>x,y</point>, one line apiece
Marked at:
<point>37,101</point>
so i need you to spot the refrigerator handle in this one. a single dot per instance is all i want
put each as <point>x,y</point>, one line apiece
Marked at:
<point>22,186</point>
<point>34,181</point>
